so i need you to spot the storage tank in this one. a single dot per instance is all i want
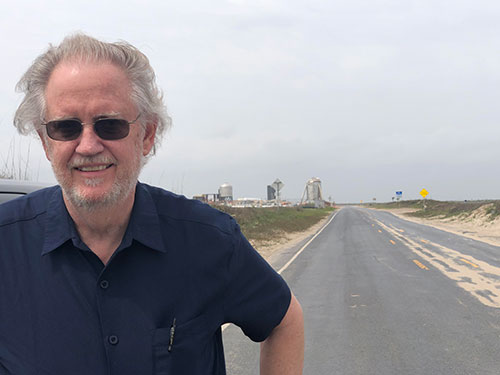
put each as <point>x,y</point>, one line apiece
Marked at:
<point>313,194</point>
<point>314,189</point>
<point>226,192</point>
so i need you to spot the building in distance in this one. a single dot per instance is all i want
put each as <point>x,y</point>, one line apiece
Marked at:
<point>313,194</point>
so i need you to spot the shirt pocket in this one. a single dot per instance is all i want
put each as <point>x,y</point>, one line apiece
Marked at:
<point>187,351</point>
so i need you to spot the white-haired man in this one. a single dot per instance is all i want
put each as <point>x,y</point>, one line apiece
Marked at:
<point>106,275</point>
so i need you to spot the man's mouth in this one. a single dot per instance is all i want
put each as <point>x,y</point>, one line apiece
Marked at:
<point>94,168</point>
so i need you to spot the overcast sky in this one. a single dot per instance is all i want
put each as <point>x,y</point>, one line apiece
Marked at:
<point>371,96</point>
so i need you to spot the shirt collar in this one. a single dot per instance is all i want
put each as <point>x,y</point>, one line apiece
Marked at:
<point>144,225</point>
<point>59,227</point>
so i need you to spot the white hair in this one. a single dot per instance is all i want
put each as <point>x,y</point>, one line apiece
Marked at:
<point>145,92</point>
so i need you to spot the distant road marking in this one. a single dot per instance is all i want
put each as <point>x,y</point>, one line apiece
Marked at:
<point>379,231</point>
<point>420,265</point>
<point>472,264</point>
<point>394,243</point>
<point>424,241</point>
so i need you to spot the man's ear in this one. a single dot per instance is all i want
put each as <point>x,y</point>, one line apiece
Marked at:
<point>45,145</point>
<point>149,138</point>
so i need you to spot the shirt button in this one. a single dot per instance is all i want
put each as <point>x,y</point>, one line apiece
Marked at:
<point>104,284</point>
<point>113,340</point>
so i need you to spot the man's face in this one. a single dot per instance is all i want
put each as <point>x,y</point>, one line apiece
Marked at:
<point>91,171</point>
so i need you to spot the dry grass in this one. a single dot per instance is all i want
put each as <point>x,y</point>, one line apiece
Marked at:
<point>258,224</point>
<point>445,209</point>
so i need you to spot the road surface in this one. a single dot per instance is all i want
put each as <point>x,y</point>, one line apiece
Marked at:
<point>382,295</point>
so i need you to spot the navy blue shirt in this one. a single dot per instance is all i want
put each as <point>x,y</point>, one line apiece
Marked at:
<point>182,270</point>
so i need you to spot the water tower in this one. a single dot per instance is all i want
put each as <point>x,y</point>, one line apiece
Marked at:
<point>313,194</point>
<point>226,192</point>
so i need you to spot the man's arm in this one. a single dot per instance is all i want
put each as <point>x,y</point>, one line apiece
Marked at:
<point>283,351</point>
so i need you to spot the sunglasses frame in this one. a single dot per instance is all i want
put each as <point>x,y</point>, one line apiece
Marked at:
<point>122,121</point>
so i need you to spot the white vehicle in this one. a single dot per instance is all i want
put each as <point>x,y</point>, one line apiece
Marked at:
<point>10,189</point>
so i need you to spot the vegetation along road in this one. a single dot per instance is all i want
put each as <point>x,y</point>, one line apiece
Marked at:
<point>382,295</point>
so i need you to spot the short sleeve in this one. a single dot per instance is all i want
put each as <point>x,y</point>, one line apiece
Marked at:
<point>257,297</point>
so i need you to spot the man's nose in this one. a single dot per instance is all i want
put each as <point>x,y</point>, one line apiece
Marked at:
<point>89,142</point>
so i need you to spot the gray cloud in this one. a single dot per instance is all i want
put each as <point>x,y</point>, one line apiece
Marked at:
<point>371,97</point>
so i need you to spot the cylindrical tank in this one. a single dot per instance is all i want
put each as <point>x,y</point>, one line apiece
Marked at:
<point>226,192</point>
<point>314,189</point>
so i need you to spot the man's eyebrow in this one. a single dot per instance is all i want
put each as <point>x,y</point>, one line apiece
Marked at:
<point>60,118</point>
<point>94,118</point>
<point>106,115</point>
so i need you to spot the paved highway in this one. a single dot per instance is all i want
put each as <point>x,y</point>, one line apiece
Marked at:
<point>382,295</point>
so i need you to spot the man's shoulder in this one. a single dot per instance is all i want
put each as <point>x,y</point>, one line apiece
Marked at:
<point>178,208</point>
<point>26,207</point>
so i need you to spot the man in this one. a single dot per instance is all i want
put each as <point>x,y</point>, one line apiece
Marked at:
<point>105,275</point>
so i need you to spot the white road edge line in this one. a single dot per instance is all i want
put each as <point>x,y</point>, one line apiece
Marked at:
<point>307,244</point>
<point>224,326</point>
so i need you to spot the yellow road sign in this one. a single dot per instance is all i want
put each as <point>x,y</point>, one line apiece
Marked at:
<point>424,193</point>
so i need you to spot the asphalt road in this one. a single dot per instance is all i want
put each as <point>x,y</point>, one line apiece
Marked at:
<point>382,295</point>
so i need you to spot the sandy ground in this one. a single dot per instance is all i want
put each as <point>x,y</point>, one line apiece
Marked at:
<point>286,240</point>
<point>477,277</point>
<point>476,226</point>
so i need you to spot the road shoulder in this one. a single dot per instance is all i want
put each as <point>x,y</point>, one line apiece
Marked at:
<point>476,228</point>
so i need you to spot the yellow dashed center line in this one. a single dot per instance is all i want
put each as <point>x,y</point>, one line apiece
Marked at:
<point>477,277</point>
<point>379,231</point>
<point>420,265</point>
<point>394,243</point>
<point>472,264</point>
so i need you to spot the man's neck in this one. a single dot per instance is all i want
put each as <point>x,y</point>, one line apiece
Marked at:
<point>102,229</point>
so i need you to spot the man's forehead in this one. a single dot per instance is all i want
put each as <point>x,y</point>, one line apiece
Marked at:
<point>77,76</point>
<point>77,68</point>
<point>73,84</point>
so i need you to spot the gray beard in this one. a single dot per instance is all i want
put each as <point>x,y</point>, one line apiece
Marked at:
<point>119,191</point>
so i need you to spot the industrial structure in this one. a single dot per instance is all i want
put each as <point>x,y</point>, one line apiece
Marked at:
<point>313,194</point>
<point>207,198</point>
<point>271,193</point>
<point>226,193</point>
<point>274,193</point>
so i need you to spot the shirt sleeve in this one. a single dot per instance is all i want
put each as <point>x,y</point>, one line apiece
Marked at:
<point>257,297</point>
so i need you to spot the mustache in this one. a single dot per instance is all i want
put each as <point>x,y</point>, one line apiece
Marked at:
<point>79,161</point>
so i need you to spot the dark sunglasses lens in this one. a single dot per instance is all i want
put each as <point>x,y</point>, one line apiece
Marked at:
<point>64,130</point>
<point>112,128</point>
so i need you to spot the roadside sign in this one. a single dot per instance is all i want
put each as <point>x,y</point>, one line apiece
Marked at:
<point>399,193</point>
<point>278,185</point>
<point>424,193</point>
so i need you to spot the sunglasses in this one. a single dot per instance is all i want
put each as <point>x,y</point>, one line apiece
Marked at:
<point>109,129</point>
